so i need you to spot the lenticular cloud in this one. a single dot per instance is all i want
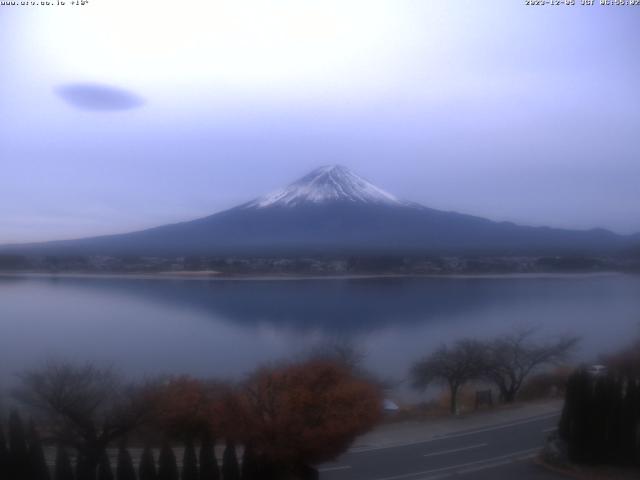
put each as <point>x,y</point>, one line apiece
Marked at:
<point>98,97</point>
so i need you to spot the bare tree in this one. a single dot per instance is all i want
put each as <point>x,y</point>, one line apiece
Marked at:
<point>347,353</point>
<point>510,359</point>
<point>84,407</point>
<point>453,366</point>
<point>340,350</point>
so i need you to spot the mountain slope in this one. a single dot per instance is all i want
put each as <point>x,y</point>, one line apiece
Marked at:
<point>333,210</point>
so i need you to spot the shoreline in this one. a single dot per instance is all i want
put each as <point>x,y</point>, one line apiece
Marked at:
<point>217,276</point>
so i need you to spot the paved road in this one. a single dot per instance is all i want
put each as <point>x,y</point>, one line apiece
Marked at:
<point>503,451</point>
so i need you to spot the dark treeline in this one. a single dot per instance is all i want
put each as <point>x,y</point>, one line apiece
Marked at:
<point>600,422</point>
<point>601,419</point>
<point>436,263</point>
<point>22,457</point>
<point>21,452</point>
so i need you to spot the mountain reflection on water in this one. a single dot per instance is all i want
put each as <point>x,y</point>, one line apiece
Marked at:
<point>227,327</point>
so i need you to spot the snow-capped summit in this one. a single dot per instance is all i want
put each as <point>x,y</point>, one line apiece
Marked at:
<point>334,211</point>
<point>328,184</point>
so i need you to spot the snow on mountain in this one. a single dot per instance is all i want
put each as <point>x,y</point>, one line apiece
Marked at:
<point>335,211</point>
<point>328,184</point>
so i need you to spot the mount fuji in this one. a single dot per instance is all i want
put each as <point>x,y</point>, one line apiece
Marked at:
<point>329,184</point>
<point>335,211</point>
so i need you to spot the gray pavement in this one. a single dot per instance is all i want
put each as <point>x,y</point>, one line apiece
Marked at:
<point>502,444</point>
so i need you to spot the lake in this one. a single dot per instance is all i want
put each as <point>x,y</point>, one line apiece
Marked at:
<point>224,328</point>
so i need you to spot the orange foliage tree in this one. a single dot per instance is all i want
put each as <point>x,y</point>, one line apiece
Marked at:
<point>625,361</point>
<point>187,407</point>
<point>304,414</point>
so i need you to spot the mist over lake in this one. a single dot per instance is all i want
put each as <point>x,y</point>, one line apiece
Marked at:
<point>225,328</point>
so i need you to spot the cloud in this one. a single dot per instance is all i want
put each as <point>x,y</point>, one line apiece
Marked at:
<point>96,97</point>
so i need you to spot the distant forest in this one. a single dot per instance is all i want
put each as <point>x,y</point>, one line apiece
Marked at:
<point>322,265</point>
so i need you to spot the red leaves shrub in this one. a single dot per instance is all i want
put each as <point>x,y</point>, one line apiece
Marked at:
<point>187,407</point>
<point>626,361</point>
<point>291,416</point>
<point>306,413</point>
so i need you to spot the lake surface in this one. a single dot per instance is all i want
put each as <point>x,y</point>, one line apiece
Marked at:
<point>225,328</point>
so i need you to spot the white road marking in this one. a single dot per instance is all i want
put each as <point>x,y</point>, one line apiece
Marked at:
<point>456,435</point>
<point>454,450</point>
<point>499,427</point>
<point>527,457</point>
<point>549,430</point>
<point>496,461</point>
<point>333,469</point>
<point>500,463</point>
<point>484,466</point>
<point>439,477</point>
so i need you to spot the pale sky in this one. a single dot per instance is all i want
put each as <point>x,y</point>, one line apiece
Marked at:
<point>124,114</point>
